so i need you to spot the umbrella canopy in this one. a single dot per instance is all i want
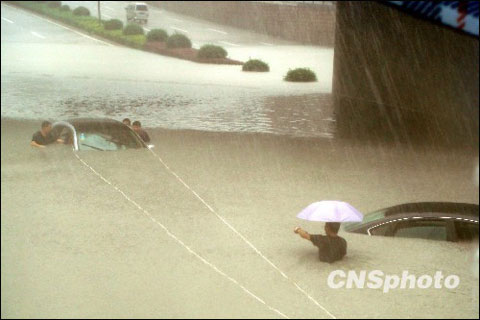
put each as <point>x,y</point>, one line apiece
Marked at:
<point>330,211</point>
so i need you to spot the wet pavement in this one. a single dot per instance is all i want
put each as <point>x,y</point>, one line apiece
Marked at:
<point>199,31</point>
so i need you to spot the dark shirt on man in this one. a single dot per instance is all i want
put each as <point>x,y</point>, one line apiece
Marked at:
<point>144,135</point>
<point>330,249</point>
<point>41,140</point>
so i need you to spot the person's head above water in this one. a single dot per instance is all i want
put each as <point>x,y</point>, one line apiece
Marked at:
<point>126,121</point>
<point>136,125</point>
<point>331,228</point>
<point>46,127</point>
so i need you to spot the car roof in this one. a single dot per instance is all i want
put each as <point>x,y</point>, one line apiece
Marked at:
<point>80,121</point>
<point>438,207</point>
<point>429,209</point>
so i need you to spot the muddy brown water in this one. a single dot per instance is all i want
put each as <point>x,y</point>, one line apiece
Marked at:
<point>72,246</point>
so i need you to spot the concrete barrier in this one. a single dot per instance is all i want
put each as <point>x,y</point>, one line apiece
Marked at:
<point>403,78</point>
<point>309,24</point>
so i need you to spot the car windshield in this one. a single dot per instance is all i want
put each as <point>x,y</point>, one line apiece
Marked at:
<point>142,7</point>
<point>106,138</point>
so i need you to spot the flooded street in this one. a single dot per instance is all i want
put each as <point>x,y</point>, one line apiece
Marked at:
<point>82,250</point>
<point>166,105</point>
<point>202,227</point>
<point>161,91</point>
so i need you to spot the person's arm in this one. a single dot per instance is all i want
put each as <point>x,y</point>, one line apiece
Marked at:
<point>304,234</point>
<point>147,137</point>
<point>35,144</point>
<point>54,139</point>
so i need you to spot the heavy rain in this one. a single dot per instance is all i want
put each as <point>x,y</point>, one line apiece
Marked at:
<point>199,221</point>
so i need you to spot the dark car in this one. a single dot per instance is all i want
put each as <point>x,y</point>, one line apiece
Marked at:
<point>447,221</point>
<point>97,134</point>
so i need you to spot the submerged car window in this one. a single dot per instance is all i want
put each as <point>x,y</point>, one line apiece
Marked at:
<point>433,230</point>
<point>107,138</point>
<point>383,230</point>
<point>63,132</point>
<point>66,135</point>
<point>466,231</point>
<point>142,8</point>
<point>57,130</point>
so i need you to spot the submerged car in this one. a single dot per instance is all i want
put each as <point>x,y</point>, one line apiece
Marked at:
<point>97,134</point>
<point>447,221</point>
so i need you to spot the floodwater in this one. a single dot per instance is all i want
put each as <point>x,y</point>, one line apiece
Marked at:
<point>87,239</point>
<point>167,105</point>
<point>74,246</point>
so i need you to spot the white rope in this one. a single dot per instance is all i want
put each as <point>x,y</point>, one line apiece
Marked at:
<point>242,237</point>
<point>170,234</point>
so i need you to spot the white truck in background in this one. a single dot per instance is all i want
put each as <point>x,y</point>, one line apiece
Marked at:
<point>137,12</point>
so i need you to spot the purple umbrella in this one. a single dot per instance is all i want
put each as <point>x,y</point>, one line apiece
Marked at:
<point>330,211</point>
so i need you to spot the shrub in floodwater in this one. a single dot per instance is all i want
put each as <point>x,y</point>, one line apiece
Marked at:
<point>65,7</point>
<point>54,4</point>
<point>157,35</point>
<point>178,40</point>
<point>210,51</point>
<point>113,24</point>
<point>300,75</point>
<point>255,65</point>
<point>81,11</point>
<point>132,29</point>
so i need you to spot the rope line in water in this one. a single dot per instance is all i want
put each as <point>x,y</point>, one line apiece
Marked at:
<point>242,236</point>
<point>170,234</point>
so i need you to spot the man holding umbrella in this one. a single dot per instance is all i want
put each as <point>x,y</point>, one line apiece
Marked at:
<point>331,247</point>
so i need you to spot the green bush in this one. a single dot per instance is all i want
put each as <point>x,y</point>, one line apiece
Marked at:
<point>113,24</point>
<point>157,35</point>
<point>90,24</point>
<point>255,65</point>
<point>300,75</point>
<point>65,7</point>
<point>81,11</point>
<point>87,23</point>
<point>54,4</point>
<point>132,29</point>
<point>209,51</point>
<point>178,40</point>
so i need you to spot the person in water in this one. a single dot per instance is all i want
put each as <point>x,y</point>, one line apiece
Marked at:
<point>331,247</point>
<point>137,127</point>
<point>44,136</point>
<point>126,122</point>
